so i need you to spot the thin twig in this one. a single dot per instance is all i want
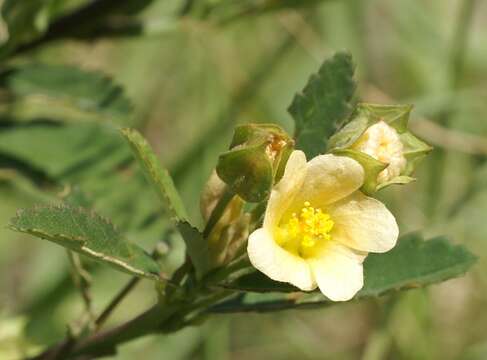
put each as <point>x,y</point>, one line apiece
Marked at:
<point>101,319</point>
<point>82,281</point>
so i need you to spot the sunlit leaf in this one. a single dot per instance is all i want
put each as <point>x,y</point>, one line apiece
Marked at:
<point>157,176</point>
<point>87,233</point>
<point>62,93</point>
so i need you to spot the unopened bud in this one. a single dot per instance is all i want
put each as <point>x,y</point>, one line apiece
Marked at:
<point>255,160</point>
<point>377,136</point>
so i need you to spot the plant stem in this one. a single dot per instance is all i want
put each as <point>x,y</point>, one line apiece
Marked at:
<point>101,319</point>
<point>81,280</point>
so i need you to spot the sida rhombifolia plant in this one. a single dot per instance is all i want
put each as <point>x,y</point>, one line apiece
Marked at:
<point>283,214</point>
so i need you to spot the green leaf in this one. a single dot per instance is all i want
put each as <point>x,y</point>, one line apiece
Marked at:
<point>25,20</point>
<point>197,248</point>
<point>62,93</point>
<point>412,263</point>
<point>415,263</point>
<point>158,177</point>
<point>62,151</point>
<point>86,233</point>
<point>323,104</point>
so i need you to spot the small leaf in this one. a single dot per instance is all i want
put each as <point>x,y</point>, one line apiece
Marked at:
<point>415,263</point>
<point>323,104</point>
<point>412,263</point>
<point>86,233</point>
<point>61,92</point>
<point>158,177</point>
<point>196,247</point>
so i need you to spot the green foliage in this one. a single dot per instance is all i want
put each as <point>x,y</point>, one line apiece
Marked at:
<point>323,104</point>
<point>62,152</point>
<point>43,150</point>
<point>412,263</point>
<point>86,233</point>
<point>62,93</point>
<point>25,20</point>
<point>158,177</point>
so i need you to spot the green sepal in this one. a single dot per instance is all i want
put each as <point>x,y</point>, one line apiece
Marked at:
<point>247,171</point>
<point>366,115</point>
<point>281,162</point>
<point>398,180</point>
<point>349,134</point>
<point>414,151</point>
<point>256,158</point>
<point>255,134</point>
<point>396,116</point>
<point>372,168</point>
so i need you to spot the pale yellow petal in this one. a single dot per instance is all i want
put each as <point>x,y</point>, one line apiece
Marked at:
<point>329,178</point>
<point>364,224</point>
<point>278,264</point>
<point>284,192</point>
<point>338,271</point>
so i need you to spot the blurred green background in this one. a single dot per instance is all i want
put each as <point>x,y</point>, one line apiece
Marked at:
<point>194,69</point>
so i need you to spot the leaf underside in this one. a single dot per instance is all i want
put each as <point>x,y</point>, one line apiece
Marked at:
<point>87,233</point>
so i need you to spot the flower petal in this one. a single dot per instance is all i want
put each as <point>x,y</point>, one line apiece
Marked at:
<point>277,263</point>
<point>338,271</point>
<point>285,191</point>
<point>364,224</point>
<point>329,178</point>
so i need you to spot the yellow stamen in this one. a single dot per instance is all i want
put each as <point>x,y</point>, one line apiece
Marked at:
<point>301,233</point>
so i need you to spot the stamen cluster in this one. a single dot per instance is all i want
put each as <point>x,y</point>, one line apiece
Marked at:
<point>306,229</point>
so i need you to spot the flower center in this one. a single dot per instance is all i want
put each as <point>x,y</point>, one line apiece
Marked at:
<point>304,231</point>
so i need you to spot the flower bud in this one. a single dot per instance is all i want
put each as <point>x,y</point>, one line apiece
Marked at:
<point>377,137</point>
<point>231,230</point>
<point>256,160</point>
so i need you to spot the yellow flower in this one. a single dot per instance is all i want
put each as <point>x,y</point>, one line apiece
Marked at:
<point>318,227</point>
